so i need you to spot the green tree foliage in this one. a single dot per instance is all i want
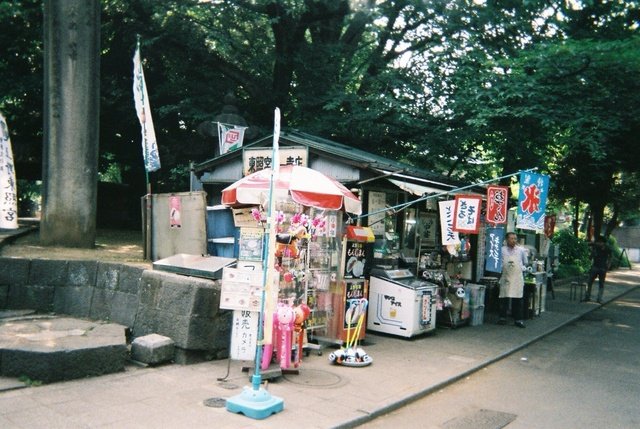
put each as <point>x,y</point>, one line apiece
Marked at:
<point>556,91</point>
<point>469,88</point>
<point>21,51</point>
<point>575,104</point>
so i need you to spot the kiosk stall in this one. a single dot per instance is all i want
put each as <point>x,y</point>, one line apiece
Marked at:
<point>308,293</point>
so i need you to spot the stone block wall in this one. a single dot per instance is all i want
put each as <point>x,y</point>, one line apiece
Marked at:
<point>187,312</point>
<point>183,308</point>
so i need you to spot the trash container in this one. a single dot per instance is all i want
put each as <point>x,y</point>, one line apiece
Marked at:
<point>491,303</point>
<point>530,298</point>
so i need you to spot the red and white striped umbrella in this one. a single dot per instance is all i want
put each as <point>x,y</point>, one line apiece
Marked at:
<point>304,185</point>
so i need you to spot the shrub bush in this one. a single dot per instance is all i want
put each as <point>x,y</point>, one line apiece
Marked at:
<point>567,271</point>
<point>617,259</point>
<point>574,256</point>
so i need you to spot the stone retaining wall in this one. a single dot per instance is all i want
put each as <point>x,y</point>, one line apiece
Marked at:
<point>184,308</point>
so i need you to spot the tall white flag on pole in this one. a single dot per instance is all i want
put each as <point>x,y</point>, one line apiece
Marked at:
<point>8,186</point>
<point>141,98</point>
<point>276,142</point>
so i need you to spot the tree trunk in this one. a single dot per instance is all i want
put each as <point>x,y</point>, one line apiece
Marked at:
<point>613,222</point>
<point>597,216</point>
<point>576,216</point>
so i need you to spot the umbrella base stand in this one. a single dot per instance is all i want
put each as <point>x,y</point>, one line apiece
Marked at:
<point>257,404</point>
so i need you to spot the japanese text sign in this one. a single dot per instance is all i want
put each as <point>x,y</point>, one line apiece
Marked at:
<point>467,214</point>
<point>449,236</point>
<point>532,201</point>
<point>255,159</point>
<point>497,198</point>
<point>9,197</point>
<point>244,335</point>
<point>493,249</point>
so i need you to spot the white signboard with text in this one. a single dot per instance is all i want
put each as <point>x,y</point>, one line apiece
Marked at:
<point>256,159</point>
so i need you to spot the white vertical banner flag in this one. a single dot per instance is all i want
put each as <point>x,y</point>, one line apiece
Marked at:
<point>447,211</point>
<point>141,99</point>
<point>230,137</point>
<point>276,142</point>
<point>8,186</point>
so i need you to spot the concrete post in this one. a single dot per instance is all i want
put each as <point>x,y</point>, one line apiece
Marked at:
<point>71,122</point>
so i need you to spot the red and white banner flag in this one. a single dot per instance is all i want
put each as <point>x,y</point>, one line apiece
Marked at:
<point>230,137</point>
<point>497,199</point>
<point>467,214</point>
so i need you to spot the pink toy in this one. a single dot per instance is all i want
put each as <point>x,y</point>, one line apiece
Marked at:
<point>288,277</point>
<point>285,317</point>
<point>267,350</point>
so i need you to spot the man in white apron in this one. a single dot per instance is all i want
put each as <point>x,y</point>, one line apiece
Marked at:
<point>514,263</point>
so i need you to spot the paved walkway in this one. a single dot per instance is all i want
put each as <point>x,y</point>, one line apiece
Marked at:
<point>320,396</point>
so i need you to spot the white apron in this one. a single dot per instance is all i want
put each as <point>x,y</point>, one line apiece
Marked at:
<point>512,281</point>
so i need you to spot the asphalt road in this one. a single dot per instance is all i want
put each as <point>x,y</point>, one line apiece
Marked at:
<point>586,375</point>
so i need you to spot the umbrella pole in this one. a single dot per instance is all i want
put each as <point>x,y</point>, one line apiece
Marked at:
<point>255,401</point>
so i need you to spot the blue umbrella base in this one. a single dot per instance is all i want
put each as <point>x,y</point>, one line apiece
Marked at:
<point>257,404</point>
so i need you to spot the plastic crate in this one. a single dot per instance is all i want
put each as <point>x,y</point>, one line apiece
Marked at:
<point>476,294</point>
<point>223,247</point>
<point>477,316</point>
<point>220,222</point>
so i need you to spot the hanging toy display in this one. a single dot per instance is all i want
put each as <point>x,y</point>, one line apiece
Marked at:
<point>351,354</point>
<point>288,244</point>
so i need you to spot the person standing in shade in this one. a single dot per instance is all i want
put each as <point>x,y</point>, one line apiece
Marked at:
<point>514,263</point>
<point>600,255</point>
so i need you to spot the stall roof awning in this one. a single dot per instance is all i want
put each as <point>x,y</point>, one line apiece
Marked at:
<point>418,190</point>
<point>421,190</point>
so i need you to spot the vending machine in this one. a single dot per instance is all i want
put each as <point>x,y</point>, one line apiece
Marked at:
<point>400,304</point>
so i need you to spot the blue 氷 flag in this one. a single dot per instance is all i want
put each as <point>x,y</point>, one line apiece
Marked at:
<point>532,201</point>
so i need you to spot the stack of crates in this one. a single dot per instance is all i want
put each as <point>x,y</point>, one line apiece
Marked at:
<point>476,303</point>
<point>221,232</point>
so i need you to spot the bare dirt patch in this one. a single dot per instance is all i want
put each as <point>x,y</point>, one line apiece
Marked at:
<point>110,246</point>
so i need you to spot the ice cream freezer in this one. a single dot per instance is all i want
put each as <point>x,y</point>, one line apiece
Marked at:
<point>400,304</point>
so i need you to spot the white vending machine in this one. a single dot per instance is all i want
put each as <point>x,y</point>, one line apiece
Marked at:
<point>400,304</point>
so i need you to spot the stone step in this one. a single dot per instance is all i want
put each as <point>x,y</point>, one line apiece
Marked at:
<point>50,348</point>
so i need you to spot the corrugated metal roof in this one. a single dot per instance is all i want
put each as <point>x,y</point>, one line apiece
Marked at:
<point>344,153</point>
